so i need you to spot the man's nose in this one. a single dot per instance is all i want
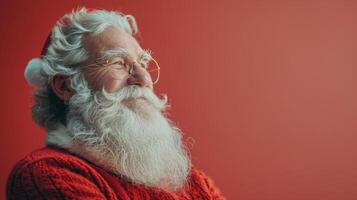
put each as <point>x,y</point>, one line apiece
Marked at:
<point>139,76</point>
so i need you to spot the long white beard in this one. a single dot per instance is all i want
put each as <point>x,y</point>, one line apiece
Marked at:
<point>127,135</point>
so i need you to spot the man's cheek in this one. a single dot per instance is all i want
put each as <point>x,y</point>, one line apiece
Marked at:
<point>112,82</point>
<point>107,79</point>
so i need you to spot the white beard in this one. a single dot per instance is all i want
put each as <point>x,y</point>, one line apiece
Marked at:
<point>126,135</point>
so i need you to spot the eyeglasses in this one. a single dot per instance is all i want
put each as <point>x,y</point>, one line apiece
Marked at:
<point>126,64</point>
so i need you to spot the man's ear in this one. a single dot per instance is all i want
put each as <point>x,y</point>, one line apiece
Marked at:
<point>61,86</point>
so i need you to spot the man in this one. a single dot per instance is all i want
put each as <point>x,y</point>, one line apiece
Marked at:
<point>108,136</point>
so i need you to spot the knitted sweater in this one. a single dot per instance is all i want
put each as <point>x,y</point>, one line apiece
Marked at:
<point>52,173</point>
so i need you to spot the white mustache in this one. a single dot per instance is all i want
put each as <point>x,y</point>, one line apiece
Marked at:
<point>131,92</point>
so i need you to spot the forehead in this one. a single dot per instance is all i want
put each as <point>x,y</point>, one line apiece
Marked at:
<point>111,38</point>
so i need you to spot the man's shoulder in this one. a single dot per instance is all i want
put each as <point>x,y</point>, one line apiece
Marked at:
<point>199,179</point>
<point>55,173</point>
<point>50,162</point>
<point>50,155</point>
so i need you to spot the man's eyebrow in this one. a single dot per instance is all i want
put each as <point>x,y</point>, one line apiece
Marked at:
<point>106,55</point>
<point>146,54</point>
<point>120,52</point>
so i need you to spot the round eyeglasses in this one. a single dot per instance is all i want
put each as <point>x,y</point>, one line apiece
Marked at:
<point>124,63</point>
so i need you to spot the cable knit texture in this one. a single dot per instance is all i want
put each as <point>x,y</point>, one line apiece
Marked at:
<point>52,173</point>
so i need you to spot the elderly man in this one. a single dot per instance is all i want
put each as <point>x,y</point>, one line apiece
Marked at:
<point>108,136</point>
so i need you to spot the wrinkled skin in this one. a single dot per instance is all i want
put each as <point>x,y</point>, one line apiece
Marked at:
<point>108,77</point>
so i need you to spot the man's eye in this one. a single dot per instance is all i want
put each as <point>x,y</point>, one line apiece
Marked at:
<point>144,65</point>
<point>119,62</point>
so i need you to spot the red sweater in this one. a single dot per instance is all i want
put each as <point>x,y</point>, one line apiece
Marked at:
<point>51,173</point>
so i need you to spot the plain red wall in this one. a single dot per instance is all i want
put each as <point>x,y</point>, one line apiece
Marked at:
<point>266,88</point>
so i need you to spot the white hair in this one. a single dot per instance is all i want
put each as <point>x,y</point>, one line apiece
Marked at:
<point>63,55</point>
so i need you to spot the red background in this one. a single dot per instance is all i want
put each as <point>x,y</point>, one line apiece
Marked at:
<point>266,88</point>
